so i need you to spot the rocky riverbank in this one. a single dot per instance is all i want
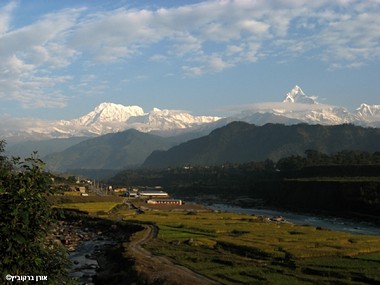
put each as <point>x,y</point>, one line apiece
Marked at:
<point>95,248</point>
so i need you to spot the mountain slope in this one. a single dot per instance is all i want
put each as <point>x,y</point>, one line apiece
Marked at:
<point>243,142</point>
<point>43,147</point>
<point>110,151</point>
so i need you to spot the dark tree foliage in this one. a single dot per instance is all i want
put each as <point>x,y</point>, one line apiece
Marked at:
<point>346,181</point>
<point>27,247</point>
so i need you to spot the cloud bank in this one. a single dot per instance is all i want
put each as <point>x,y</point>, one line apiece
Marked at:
<point>209,37</point>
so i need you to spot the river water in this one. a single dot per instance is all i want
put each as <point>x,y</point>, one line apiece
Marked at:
<point>333,223</point>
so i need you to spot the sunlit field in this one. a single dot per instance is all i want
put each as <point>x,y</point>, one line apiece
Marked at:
<point>91,207</point>
<point>242,249</point>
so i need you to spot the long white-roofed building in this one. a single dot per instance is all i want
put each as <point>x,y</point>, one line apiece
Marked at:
<point>153,193</point>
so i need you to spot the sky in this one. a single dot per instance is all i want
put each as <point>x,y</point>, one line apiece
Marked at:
<point>60,59</point>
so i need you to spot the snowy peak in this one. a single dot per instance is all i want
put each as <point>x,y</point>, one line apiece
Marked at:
<point>368,112</point>
<point>302,108</point>
<point>110,112</point>
<point>165,120</point>
<point>110,117</point>
<point>296,95</point>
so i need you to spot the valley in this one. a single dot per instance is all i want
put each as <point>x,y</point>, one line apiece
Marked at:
<point>231,248</point>
<point>190,142</point>
<point>283,202</point>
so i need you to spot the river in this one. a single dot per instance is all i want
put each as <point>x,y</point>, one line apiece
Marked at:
<point>333,223</point>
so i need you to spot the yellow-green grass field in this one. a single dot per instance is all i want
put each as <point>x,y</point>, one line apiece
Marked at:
<point>91,207</point>
<point>90,204</point>
<point>242,249</point>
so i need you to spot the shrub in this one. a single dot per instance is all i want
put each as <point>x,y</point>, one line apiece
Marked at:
<point>27,246</point>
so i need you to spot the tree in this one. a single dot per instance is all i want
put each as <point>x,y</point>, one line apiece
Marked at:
<point>294,162</point>
<point>27,247</point>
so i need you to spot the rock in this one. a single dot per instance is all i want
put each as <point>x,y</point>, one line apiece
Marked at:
<point>76,274</point>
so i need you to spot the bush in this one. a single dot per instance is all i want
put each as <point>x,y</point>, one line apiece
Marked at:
<point>27,246</point>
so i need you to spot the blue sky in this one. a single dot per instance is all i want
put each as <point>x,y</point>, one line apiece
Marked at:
<point>60,59</point>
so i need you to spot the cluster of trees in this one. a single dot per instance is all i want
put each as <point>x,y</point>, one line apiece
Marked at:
<point>27,247</point>
<point>317,181</point>
<point>242,173</point>
<point>316,158</point>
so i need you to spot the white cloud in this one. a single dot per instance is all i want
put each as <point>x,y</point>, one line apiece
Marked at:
<point>193,70</point>
<point>5,16</point>
<point>353,38</point>
<point>29,55</point>
<point>195,32</point>
<point>216,63</point>
<point>89,85</point>
<point>210,36</point>
<point>186,45</point>
<point>22,124</point>
<point>158,58</point>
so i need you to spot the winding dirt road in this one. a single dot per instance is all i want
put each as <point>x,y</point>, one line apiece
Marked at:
<point>158,268</point>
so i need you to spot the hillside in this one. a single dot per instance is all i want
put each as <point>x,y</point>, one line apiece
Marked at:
<point>43,147</point>
<point>111,151</point>
<point>243,142</point>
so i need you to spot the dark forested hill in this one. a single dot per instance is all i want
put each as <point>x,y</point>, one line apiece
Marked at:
<point>111,151</point>
<point>43,147</point>
<point>243,142</point>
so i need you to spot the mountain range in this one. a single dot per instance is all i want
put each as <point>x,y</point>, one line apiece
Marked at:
<point>114,136</point>
<point>240,142</point>
<point>296,107</point>
<point>237,142</point>
<point>108,118</point>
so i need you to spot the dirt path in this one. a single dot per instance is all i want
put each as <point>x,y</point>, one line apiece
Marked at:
<point>161,269</point>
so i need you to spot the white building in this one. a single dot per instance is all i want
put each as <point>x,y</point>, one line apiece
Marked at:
<point>153,193</point>
<point>165,201</point>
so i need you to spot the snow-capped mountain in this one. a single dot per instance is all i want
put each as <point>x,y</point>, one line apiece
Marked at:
<point>106,118</point>
<point>109,112</point>
<point>298,107</point>
<point>111,118</point>
<point>296,95</point>
<point>165,120</point>
<point>368,112</point>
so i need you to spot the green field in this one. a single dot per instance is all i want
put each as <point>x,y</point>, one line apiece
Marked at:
<point>91,207</point>
<point>90,204</point>
<point>242,249</point>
